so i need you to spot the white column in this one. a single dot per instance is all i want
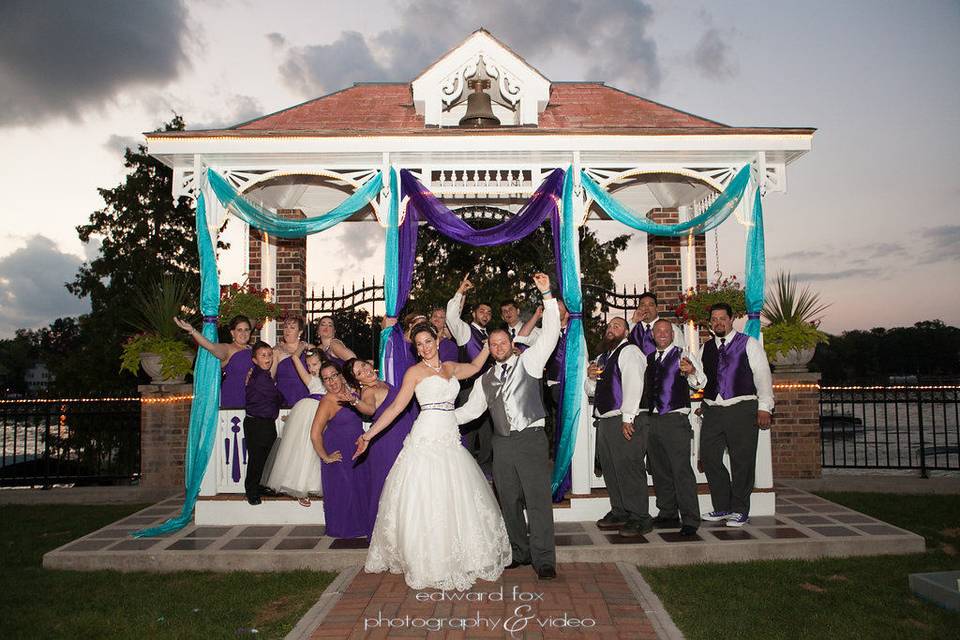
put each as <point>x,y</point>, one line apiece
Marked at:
<point>688,274</point>
<point>268,278</point>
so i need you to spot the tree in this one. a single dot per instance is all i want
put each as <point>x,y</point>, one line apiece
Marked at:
<point>144,234</point>
<point>504,272</point>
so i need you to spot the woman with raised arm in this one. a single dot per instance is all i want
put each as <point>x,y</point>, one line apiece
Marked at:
<point>293,467</point>
<point>346,484</point>
<point>375,396</point>
<point>291,386</point>
<point>332,347</point>
<point>438,522</point>
<point>236,359</point>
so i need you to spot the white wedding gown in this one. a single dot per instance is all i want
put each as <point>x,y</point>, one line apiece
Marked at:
<point>438,522</point>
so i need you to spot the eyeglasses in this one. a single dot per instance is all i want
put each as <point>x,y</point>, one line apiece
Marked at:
<point>329,378</point>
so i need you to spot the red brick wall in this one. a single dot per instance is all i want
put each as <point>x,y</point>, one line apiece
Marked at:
<point>665,262</point>
<point>163,435</point>
<point>795,435</point>
<point>291,290</point>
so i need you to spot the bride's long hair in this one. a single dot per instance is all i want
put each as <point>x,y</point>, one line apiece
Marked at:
<point>423,327</point>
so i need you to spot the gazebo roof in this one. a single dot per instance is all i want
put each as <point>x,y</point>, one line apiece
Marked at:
<point>388,109</point>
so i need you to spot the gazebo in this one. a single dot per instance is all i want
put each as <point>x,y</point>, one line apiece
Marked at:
<point>302,161</point>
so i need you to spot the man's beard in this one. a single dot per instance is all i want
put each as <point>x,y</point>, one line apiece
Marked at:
<point>608,344</point>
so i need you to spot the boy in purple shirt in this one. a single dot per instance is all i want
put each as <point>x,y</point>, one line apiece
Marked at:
<point>260,423</point>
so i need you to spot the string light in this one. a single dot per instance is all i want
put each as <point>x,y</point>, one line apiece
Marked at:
<point>160,400</point>
<point>902,387</point>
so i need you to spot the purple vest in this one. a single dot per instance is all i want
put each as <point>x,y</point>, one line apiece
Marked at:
<point>233,387</point>
<point>609,392</point>
<point>642,338</point>
<point>728,373</point>
<point>668,387</point>
<point>474,346</point>
<point>448,350</point>
<point>289,383</point>
<point>555,363</point>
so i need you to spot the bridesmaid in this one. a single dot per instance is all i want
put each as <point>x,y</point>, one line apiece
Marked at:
<point>236,359</point>
<point>333,348</point>
<point>288,380</point>
<point>346,483</point>
<point>447,348</point>
<point>375,397</point>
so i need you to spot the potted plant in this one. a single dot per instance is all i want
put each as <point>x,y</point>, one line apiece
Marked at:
<point>792,333</point>
<point>695,303</point>
<point>159,345</point>
<point>243,300</point>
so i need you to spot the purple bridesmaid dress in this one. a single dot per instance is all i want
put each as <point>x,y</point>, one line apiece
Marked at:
<point>233,387</point>
<point>385,448</point>
<point>346,484</point>
<point>289,383</point>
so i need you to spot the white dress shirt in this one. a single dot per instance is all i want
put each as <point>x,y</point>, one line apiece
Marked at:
<point>525,340</point>
<point>633,366</point>
<point>696,380</point>
<point>533,360</point>
<point>762,379</point>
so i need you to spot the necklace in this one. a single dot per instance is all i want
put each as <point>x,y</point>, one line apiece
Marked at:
<point>435,369</point>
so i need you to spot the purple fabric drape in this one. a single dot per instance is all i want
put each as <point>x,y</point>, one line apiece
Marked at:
<point>424,204</point>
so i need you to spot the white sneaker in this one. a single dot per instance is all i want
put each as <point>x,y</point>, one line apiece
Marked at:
<point>737,519</point>
<point>717,516</point>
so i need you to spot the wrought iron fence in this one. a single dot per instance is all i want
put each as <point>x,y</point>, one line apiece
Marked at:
<point>82,441</point>
<point>891,427</point>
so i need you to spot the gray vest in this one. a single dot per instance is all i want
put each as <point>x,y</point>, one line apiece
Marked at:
<point>514,403</point>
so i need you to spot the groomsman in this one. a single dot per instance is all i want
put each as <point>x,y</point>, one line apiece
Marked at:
<point>510,313</point>
<point>670,376</point>
<point>447,348</point>
<point>521,467</point>
<point>737,403</point>
<point>471,339</point>
<point>616,382</point>
<point>641,325</point>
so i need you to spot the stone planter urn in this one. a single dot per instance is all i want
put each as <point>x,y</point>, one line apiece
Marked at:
<point>151,364</point>
<point>794,361</point>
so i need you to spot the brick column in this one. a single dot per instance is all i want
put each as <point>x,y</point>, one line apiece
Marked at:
<point>291,293</point>
<point>163,435</point>
<point>665,262</point>
<point>795,435</point>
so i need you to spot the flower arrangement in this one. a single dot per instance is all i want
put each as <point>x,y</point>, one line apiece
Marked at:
<point>783,338</point>
<point>243,300</point>
<point>793,318</point>
<point>695,303</point>
<point>175,361</point>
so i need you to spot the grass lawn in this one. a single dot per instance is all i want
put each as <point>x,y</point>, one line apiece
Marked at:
<point>37,603</point>
<point>855,598</point>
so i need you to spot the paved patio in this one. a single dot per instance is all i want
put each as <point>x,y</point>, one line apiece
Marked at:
<point>805,526</point>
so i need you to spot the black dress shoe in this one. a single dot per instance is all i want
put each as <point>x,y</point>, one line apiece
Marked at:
<point>546,572</point>
<point>636,528</point>
<point>267,491</point>
<point>661,522</point>
<point>254,500</point>
<point>688,530</point>
<point>611,521</point>
<point>515,564</point>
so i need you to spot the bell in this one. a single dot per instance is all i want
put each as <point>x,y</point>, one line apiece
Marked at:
<point>479,107</point>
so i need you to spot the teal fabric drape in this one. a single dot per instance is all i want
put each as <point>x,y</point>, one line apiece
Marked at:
<point>206,384</point>
<point>262,219</point>
<point>725,204</point>
<point>391,278</point>
<point>755,272</point>
<point>574,371</point>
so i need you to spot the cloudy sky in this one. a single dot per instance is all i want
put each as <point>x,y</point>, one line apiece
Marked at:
<point>871,217</point>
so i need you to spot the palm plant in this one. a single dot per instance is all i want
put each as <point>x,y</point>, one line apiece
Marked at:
<point>788,303</point>
<point>154,308</point>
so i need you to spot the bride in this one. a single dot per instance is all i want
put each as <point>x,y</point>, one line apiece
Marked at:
<point>438,522</point>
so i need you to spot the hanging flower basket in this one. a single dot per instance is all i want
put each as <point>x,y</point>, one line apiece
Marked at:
<point>695,303</point>
<point>243,300</point>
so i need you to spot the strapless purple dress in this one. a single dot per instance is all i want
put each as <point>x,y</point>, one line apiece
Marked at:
<point>448,351</point>
<point>289,383</point>
<point>346,484</point>
<point>233,386</point>
<point>385,448</point>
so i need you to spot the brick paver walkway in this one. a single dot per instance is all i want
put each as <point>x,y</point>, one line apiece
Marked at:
<point>585,601</point>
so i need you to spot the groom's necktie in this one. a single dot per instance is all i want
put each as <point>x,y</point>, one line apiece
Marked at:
<point>504,370</point>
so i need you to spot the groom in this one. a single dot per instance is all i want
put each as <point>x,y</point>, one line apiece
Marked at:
<point>510,389</point>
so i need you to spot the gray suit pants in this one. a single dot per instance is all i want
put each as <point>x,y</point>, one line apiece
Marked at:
<point>624,469</point>
<point>668,452</point>
<point>735,429</point>
<point>521,475</point>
